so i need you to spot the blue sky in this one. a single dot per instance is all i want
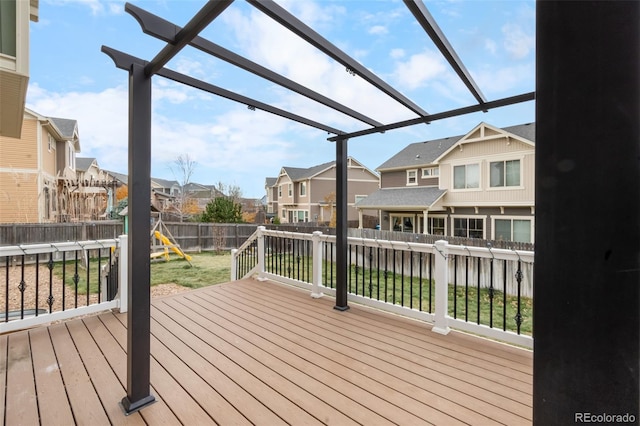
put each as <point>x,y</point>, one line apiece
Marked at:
<point>71,78</point>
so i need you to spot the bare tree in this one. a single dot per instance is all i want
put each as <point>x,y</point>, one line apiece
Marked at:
<point>185,166</point>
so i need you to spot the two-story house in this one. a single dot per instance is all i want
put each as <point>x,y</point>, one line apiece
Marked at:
<point>15,16</point>
<point>308,194</point>
<point>479,185</point>
<point>37,170</point>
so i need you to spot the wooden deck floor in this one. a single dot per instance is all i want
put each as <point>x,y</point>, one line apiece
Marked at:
<point>257,352</point>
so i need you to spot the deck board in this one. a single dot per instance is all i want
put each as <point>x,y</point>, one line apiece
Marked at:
<point>54,409</point>
<point>250,352</point>
<point>21,402</point>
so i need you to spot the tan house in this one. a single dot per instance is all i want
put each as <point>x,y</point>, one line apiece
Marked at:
<point>308,194</point>
<point>15,16</point>
<point>479,185</point>
<point>36,170</point>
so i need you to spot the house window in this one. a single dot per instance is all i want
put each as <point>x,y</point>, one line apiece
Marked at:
<point>436,225</point>
<point>466,176</point>
<point>359,198</point>
<point>402,223</point>
<point>468,227</point>
<point>284,213</point>
<point>303,189</point>
<point>290,189</point>
<point>504,173</point>
<point>430,172</point>
<point>412,177</point>
<point>279,191</point>
<point>518,230</point>
<point>52,144</point>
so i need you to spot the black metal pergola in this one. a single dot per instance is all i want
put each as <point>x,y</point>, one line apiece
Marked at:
<point>553,14</point>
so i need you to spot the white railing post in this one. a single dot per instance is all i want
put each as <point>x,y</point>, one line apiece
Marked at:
<point>316,248</point>
<point>234,275</point>
<point>261,252</point>
<point>441,325</point>
<point>123,268</point>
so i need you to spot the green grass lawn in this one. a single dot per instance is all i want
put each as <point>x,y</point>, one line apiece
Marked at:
<point>420,294</point>
<point>205,269</point>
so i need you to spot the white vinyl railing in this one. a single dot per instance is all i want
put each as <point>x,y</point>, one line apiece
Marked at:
<point>14,260</point>
<point>504,278</point>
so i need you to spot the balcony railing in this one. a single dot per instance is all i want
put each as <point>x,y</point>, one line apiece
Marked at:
<point>43,283</point>
<point>481,290</point>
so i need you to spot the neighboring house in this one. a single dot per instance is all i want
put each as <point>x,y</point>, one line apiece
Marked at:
<point>480,185</point>
<point>270,200</point>
<point>14,62</point>
<point>308,195</point>
<point>96,189</point>
<point>36,168</point>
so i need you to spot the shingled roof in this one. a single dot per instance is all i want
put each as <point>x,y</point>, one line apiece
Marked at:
<point>415,198</point>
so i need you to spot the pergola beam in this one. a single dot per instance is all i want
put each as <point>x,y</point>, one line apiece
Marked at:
<point>439,116</point>
<point>424,18</point>
<point>293,24</point>
<point>122,60</point>
<point>164,30</point>
<point>199,22</point>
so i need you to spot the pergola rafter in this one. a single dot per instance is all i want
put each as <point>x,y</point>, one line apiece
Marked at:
<point>140,74</point>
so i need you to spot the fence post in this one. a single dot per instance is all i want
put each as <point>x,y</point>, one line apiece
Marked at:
<point>234,275</point>
<point>442,288</point>
<point>123,267</point>
<point>261,252</point>
<point>316,248</point>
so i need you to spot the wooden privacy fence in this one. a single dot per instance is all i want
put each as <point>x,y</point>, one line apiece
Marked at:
<point>194,237</point>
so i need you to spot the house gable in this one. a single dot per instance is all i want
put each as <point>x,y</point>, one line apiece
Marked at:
<point>483,133</point>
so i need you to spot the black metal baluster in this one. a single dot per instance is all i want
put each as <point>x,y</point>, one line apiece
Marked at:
<point>350,267</point>
<point>370,271</point>
<point>386,272</point>
<point>37,283</point>
<point>466,289</point>
<point>88,256</point>
<point>76,279</point>
<point>99,277</point>
<point>430,281</point>
<point>420,262</point>
<point>393,294</point>
<point>6,289</point>
<point>22,286</point>
<point>307,247</point>
<point>64,279</point>
<point>478,293</point>
<point>331,263</point>
<point>378,272</point>
<point>411,280</point>
<point>455,286</point>
<point>519,281</point>
<point>491,293</point>
<point>504,295</point>
<point>401,277</point>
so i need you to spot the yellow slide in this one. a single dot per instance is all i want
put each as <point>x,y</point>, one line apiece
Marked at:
<point>172,246</point>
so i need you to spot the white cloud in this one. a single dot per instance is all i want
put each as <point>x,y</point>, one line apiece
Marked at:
<point>490,46</point>
<point>516,41</point>
<point>419,69</point>
<point>97,7</point>
<point>505,79</point>
<point>397,53</point>
<point>378,30</point>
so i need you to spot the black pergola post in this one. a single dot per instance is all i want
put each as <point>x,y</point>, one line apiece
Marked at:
<point>138,318</point>
<point>587,257</point>
<point>341,225</point>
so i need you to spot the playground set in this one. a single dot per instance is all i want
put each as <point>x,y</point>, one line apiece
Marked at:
<point>162,241</point>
